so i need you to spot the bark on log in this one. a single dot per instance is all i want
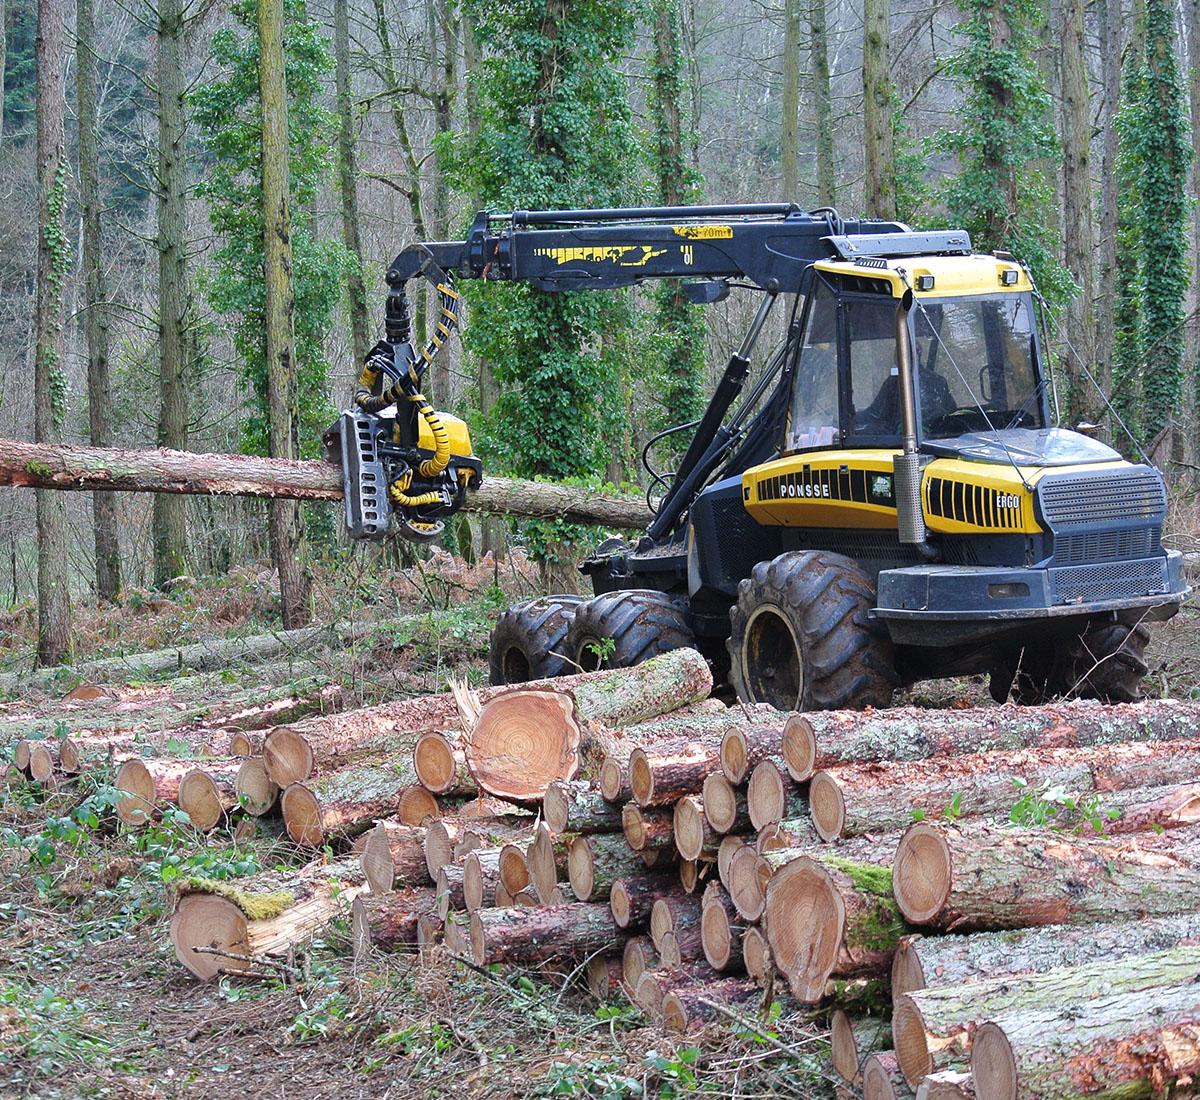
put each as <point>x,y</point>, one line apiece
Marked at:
<point>818,740</point>
<point>441,766</point>
<point>448,890</point>
<point>745,747</point>
<point>343,803</point>
<point>674,913</point>
<point>947,1085</point>
<point>852,799</point>
<point>388,921</point>
<point>937,961</point>
<point>882,1079</point>
<point>63,466</point>
<point>631,900</point>
<point>694,837</point>
<point>660,774</point>
<point>933,1028</point>
<point>771,796</point>
<point>529,936</point>
<point>394,856</point>
<point>576,806</point>
<point>689,1007</point>
<point>792,832</point>
<point>1134,1045</point>
<point>1173,806</point>
<point>724,804</point>
<point>980,876</point>
<point>677,948</point>
<point>208,793</point>
<point>267,915</point>
<point>595,862</point>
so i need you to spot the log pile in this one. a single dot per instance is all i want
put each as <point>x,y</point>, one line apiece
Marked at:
<point>984,903</point>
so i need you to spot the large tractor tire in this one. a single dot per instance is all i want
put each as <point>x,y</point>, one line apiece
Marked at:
<point>621,629</point>
<point>802,638</point>
<point>528,641</point>
<point>1106,662</point>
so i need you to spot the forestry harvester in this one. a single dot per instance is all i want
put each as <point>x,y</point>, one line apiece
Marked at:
<point>891,501</point>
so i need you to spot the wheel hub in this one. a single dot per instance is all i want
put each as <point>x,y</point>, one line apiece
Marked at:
<point>772,668</point>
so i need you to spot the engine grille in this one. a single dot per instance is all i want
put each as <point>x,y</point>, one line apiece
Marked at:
<point>1085,583</point>
<point>1092,546</point>
<point>1103,498</point>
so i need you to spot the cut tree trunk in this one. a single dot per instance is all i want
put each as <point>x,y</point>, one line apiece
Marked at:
<point>724,804</point>
<point>256,791</point>
<point>388,921</point>
<point>660,774</point>
<point>453,838</point>
<point>757,955</point>
<point>631,900</point>
<point>61,466</point>
<point>448,890</point>
<point>947,1085</point>
<point>481,876</point>
<point>637,957</point>
<point>651,829</point>
<point>674,913</point>
<point>852,1040</point>
<point>42,761</point>
<point>147,785</point>
<point>605,974</point>
<point>525,937</point>
<point>720,931</point>
<point>343,803</point>
<point>818,740</point>
<point>771,796</point>
<point>543,859</point>
<point>694,836</point>
<point>933,1028</point>
<point>792,832</point>
<point>1132,1045</point>
<point>689,1007</point>
<point>394,856</point>
<point>522,741</point>
<point>937,961</point>
<point>441,766</point>
<point>882,1079</point>
<point>677,948</point>
<point>267,915</point>
<point>612,775</point>
<point>654,985</point>
<point>981,876</point>
<point>852,799</point>
<point>415,806</point>
<point>746,881</point>
<point>208,793</point>
<point>576,806</point>
<point>1151,809</point>
<point>745,747</point>
<point>595,862</point>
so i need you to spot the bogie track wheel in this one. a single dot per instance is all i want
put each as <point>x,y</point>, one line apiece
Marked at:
<point>621,629</point>
<point>528,641</point>
<point>802,638</point>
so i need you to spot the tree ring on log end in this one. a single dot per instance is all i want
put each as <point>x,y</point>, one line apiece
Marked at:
<point>302,816</point>
<point>908,975</point>
<point>675,1017</point>
<point>716,936</point>
<point>799,747</point>
<point>843,1047</point>
<point>513,869</point>
<point>688,822</point>
<point>200,799</point>
<point>556,806</point>
<point>256,791</point>
<point>41,763</point>
<point>478,937</point>
<point>68,756</point>
<point>720,802</point>
<point>993,1066</point>
<point>415,805</point>
<point>206,920</point>
<point>746,887</point>
<point>908,1037</point>
<point>433,759</point>
<point>805,921</point>
<point>922,873</point>
<point>377,865</point>
<point>611,779</point>
<point>523,740</point>
<point>766,797</point>
<point>136,807</point>
<point>618,903</point>
<point>287,755</point>
<point>580,868</point>
<point>755,954</point>
<point>827,806</point>
<point>877,1083</point>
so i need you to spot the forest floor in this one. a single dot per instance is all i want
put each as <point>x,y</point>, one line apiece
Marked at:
<point>94,1004</point>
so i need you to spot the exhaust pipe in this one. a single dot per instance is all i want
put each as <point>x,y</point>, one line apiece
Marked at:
<point>906,467</point>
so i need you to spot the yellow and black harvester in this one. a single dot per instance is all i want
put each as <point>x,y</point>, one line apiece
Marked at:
<point>889,501</point>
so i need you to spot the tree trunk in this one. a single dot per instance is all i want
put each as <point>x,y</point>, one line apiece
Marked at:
<point>1152,808</point>
<point>823,97</point>
<point>169,524</point>
<point>543,859</point>
<point>527,937</point>
<point>648,829</point>
<point>654,985</point>
<point>637,957</point>
<point>661,773</point>
<point>595,862</point>
<point>771,796</point>
<point>345,802</point>
<point>744,747</point>
<point>269,914</point>
<point>522,741</point>
<point>289,548</point>
<point>605,973</point>
<point>388,921</point>
<point>632,900</point>
<point>674,913</point>
<point>690,1007</point>
<point>789,153</point>
<point>819,740</point>
<point>49,383</point>
<point>394,855</point>
<point>60,466</point>
<point>877,111</point>
<point>356,291</point>
<point>257,792</point>
<point>933,1027</point>
<point>576,806</point>
<point>938,961</point>
<point>104,513</point>
<point>792,832</point>
<point>694,837</point>
<point>1109,19</point>
<point>1135,1045</point>
<point>980,876</point>
<point>721,931</point>
<point>481,876</point>
<point>148,785</point>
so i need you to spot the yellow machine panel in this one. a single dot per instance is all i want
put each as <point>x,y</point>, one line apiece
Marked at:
<point>823,489</point>
<point>945,275</point>
<point>456,429</point>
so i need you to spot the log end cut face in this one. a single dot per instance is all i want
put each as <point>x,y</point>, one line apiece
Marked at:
<point>688,822</point>
<point>433,759</point>
<point>415,804</point>
<point>287,756</point>
<point>581,871</point>
<point>523,741</point>
<point>200,798</point>
<point>136,805</point>
<point>922,873</point>
<point>720,802</point>
<point>256,791</point>
<point>556,806</point>
<point>907,973</point>
<point>302,816</point>
<point>376,861</point>
<point>827,806</point>
<point>799,747</point>
<point>993,1064</point>
<point>805,920</point>
<point>716,936</point>
<point>911,1041</point>
<point>208,921</point>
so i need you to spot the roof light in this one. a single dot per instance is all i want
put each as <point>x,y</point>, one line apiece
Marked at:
<point>925,282</point>
<point>1009,276</point>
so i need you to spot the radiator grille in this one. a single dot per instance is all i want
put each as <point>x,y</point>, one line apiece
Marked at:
<point>1086,583</point>
<point>1103,498</point>
<point>1092,546</point>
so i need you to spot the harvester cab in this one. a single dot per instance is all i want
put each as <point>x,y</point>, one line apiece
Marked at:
<point>888,502</point>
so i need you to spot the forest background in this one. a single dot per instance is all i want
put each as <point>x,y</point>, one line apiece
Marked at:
<point>132,245</point>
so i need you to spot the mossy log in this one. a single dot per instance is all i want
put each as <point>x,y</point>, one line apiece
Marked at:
<point>933,1028</point>
<point>818,739</point>
<point>631,900</point>
<point>745,747</point>
<point>394,856</point>
<point>595,862</point>
<point>268,914</point>
<point>343,803</point>
<point>773,796</point>
<point>981,876</point>
<point>686,1008</point>
<point>528,936</point>
<point>953,960</point>
<point>577,806</point>
<point>1130,1045</point>
<point>388,921</point>
<point>661,773</point>
<point>848,800</point>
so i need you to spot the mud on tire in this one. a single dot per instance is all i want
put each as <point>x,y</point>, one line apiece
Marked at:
<point>528,641</point>
<point>802,638</point>
<point>641,623</point>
